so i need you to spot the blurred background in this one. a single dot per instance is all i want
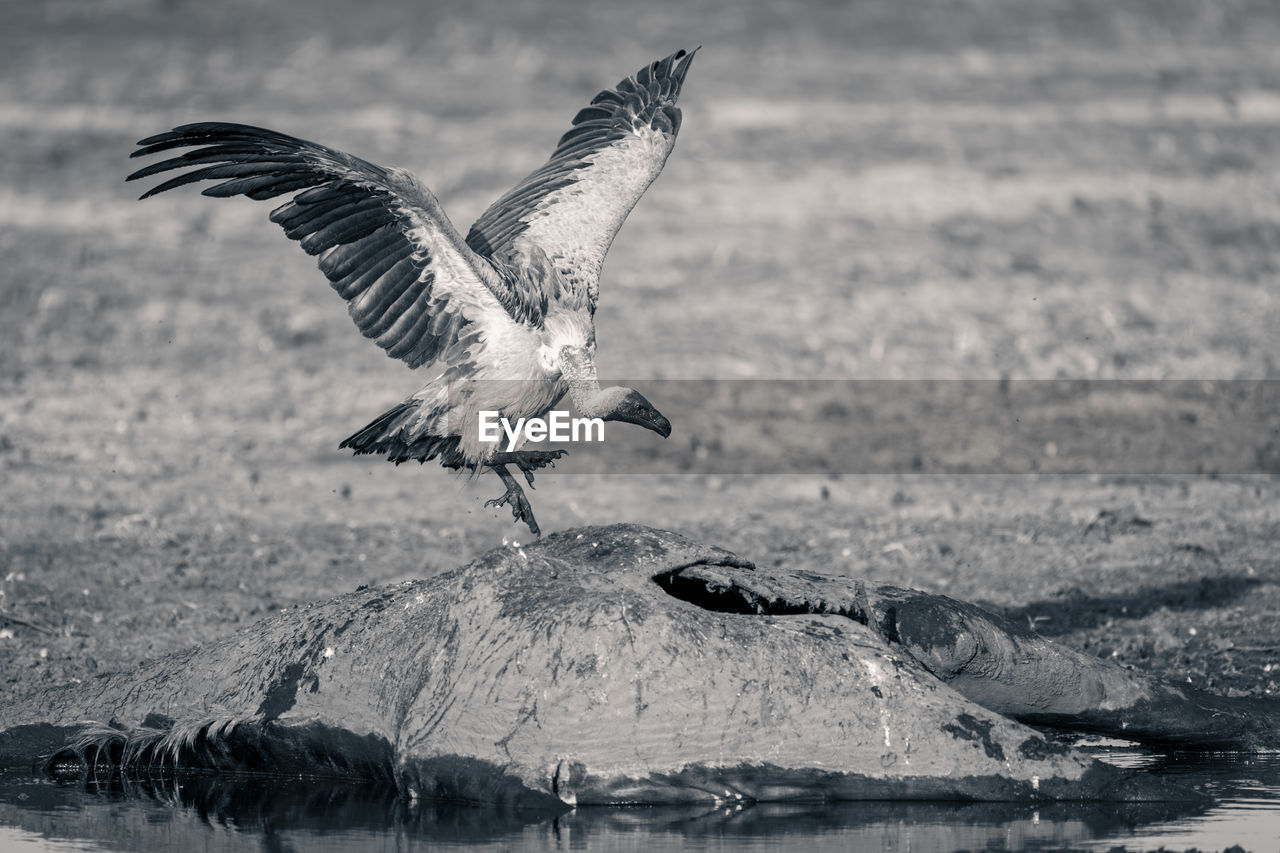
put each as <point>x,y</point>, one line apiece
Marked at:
<point>976,189</point>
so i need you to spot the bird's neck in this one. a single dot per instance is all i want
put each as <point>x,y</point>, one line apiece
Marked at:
<point>579,371</point>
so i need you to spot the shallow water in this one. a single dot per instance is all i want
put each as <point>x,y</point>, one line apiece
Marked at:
<point>201,812</point>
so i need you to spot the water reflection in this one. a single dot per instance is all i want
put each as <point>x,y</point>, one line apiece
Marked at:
<point>235,813</point>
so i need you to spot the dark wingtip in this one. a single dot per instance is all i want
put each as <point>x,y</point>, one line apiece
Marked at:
<point>152,140</point>
<point>671,67</point>
<point>684,60</point>
<point>140,173</point>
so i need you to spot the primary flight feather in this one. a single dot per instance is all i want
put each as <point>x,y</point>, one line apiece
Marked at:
<point>506,315</point>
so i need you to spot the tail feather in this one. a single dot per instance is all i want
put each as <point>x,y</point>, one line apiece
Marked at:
<point>388,436</point>
<point>372,437</point>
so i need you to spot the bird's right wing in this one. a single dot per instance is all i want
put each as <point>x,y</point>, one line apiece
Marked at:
<point>572,207</point>
<point>383,241</point>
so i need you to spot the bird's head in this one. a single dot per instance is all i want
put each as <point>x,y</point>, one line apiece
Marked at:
<point>630,406</point>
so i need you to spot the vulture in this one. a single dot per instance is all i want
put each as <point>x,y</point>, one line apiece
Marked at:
<point>506,316</point>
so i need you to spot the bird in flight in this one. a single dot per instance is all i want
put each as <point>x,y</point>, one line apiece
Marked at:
<point>506,315</point>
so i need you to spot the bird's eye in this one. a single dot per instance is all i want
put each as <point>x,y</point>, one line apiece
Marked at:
<point>680,53</point>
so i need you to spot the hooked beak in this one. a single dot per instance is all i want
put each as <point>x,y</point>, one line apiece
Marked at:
<point>635,409</point>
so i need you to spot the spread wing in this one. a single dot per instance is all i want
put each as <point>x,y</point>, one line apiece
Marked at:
<point>383,241</point>
<point>572,207</point>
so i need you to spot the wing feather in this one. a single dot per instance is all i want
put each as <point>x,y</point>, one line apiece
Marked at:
<point>401,312</point>
<point>571,207</point>
<point>340,263</point>
<point>366,276</point>
<point>410,282</point>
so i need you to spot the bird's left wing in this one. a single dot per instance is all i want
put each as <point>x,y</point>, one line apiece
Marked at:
<point>383,241</point>
<point>572,207</point>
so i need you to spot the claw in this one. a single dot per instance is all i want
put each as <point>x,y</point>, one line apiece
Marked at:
<point>529,461</point>
<point>514,497</point>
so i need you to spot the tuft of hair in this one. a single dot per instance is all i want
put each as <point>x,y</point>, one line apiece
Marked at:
<point>192,743</point>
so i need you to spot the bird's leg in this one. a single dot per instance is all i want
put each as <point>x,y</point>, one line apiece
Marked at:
<point>528,461</point>
<point>514,497</point>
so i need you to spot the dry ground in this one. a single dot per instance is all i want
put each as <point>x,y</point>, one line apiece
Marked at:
<point>928,190</point>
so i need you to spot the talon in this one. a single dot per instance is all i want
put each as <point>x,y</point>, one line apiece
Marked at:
<point>529,461</point>
<point>515,498</point>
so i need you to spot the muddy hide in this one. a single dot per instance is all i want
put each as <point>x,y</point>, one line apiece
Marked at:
<point>601,665</point>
